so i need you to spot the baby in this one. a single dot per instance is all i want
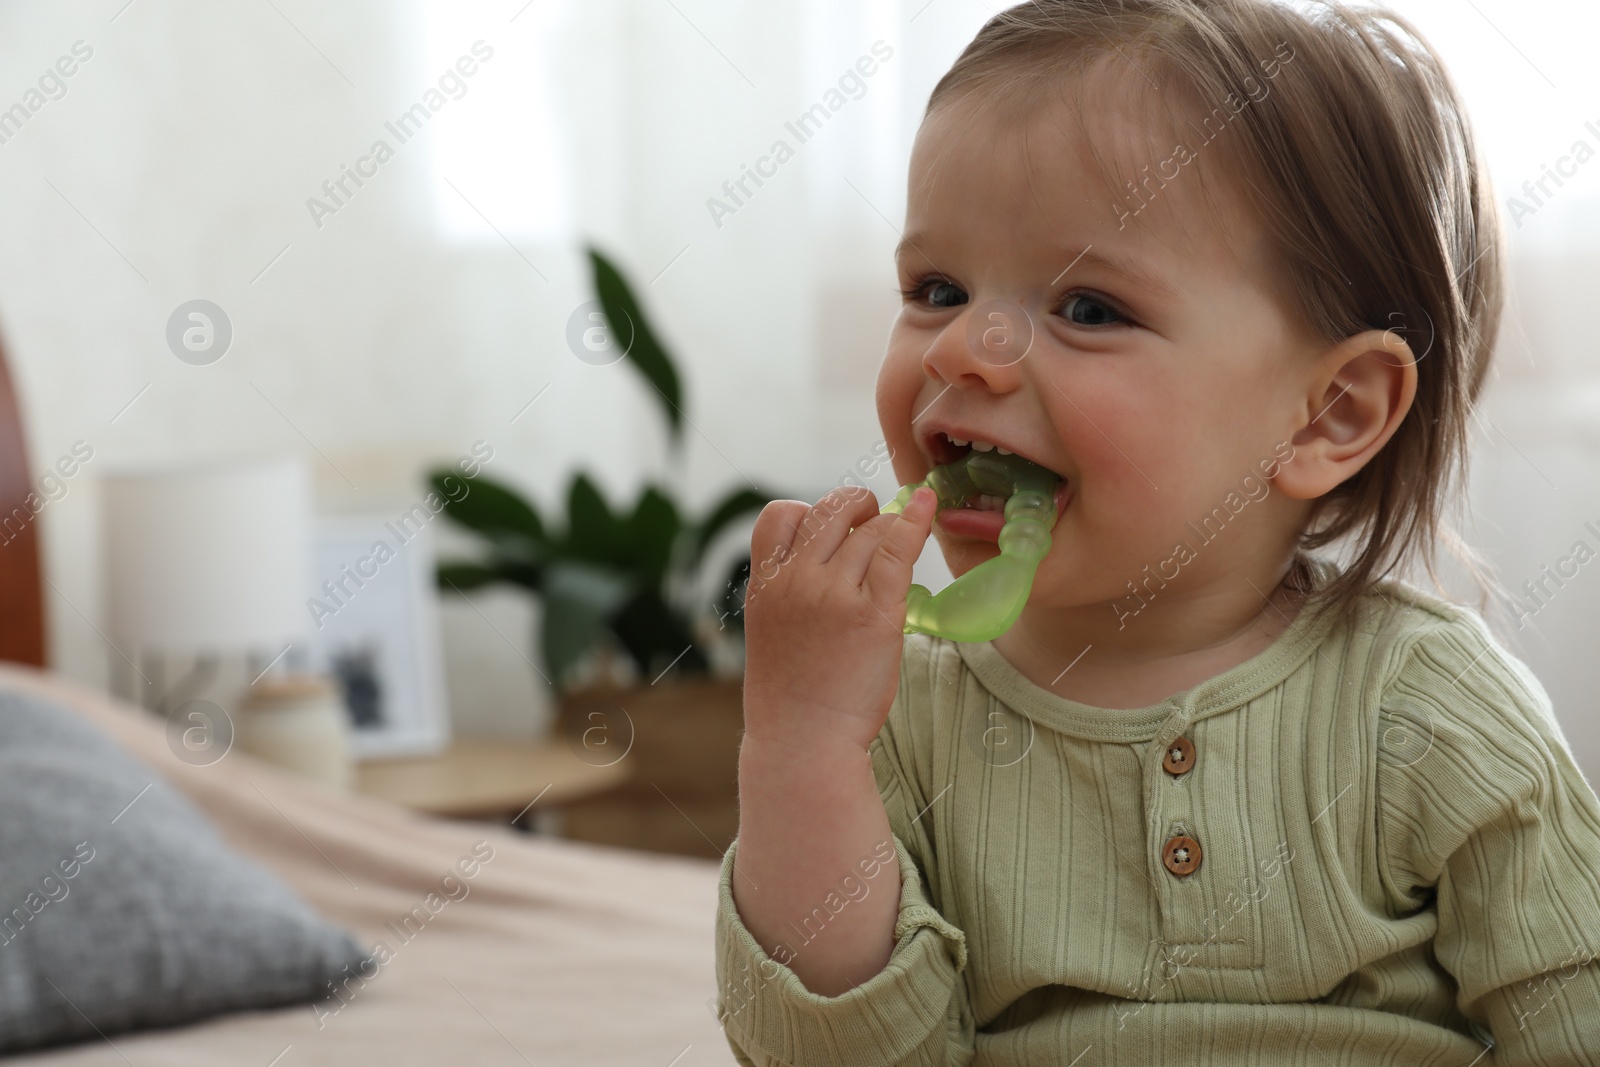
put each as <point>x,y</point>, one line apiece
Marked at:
<point>1232,270</point>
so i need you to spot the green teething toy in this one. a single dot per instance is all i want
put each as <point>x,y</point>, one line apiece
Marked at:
<point>984,602</point>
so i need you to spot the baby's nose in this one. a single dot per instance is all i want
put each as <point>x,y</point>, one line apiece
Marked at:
<point>984,347</point>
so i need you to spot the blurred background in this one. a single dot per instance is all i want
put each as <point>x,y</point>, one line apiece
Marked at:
<point>384,329</point>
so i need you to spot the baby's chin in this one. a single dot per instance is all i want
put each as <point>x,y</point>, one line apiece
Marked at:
<point>961,554</point>
<point>1053,584</point>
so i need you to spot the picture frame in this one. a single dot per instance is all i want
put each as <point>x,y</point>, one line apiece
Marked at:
<point>375,630</point>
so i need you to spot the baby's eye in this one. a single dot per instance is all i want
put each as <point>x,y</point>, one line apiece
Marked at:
<point>1085,310</point>
<point>938,293</point>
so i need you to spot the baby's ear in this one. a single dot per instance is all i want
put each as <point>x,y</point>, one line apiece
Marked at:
<point>1357,392</point>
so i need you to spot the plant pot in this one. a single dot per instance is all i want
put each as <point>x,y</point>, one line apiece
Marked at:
<point>680,741</point>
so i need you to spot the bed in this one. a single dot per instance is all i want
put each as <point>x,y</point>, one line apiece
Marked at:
<point>562,953</point>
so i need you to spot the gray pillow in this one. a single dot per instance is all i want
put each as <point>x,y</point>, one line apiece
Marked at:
<point>114,917</point>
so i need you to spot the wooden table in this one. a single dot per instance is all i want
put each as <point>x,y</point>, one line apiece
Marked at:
<point>487,779</point>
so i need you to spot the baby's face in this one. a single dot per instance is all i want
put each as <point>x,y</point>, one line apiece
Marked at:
<point>1161,375</point>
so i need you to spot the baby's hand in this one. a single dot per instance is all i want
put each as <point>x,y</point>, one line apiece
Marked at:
<point>824,614</point>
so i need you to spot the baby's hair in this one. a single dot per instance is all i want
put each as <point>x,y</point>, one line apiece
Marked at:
<point>1359,162</point>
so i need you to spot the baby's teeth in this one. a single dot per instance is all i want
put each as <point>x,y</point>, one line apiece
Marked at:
<point>957,441</point>
<point>1002,451</point>
<point>981,446</point>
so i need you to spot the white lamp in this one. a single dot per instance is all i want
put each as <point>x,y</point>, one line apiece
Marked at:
<point>210,558</point>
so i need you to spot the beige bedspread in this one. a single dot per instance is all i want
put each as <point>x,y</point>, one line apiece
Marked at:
<point>561,953</point>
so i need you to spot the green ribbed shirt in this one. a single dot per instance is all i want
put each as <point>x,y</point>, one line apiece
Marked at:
<point>1399,864</point>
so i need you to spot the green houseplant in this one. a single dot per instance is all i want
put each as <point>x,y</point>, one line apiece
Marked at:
<point>620,583</point>
<point>608,580</point>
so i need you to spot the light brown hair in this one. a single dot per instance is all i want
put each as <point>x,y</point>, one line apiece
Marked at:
<point>1362,168</point>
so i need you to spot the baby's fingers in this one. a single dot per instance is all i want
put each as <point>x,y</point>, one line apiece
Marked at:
<point>888,576</point>
<point>772,540</point>
<point>828,524</point>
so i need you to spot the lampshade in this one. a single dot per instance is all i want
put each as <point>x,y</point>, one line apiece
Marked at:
<point>212,558</point>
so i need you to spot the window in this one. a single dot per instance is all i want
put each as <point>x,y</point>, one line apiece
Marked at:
<point>497,155</point>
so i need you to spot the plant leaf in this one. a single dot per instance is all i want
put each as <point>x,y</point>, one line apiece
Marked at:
<point>631,330</point>
<point>487,506</point>
<point>734,591</point>
<point>649,533</point>
<point>736,504</point>
<point>655,636</point>
<point>593,533</point>
<point>463,576</point>
<point>578,600</point>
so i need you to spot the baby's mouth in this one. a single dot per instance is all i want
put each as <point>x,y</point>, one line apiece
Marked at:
<point>976,481</point>
<point>944,451</point>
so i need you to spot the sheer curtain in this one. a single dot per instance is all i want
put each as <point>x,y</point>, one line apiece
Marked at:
<point>1531,85</point>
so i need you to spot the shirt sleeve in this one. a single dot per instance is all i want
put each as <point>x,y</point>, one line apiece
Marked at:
<point>1484,814</point>
<point>914,1011</point>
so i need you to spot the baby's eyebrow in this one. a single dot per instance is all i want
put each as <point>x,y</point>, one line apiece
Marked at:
<point>908,242</point>
<point>1127,270</point>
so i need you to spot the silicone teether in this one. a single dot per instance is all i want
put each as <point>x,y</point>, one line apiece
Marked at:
<point>984,602</point>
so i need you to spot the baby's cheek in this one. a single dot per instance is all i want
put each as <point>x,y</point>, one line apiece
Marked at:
<point>1119,523</point>
<point>1149,466</point>
<point>896,402</point>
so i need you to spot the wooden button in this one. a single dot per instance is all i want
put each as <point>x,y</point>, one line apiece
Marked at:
<point>1179,758</point>
<point>1182,856</point>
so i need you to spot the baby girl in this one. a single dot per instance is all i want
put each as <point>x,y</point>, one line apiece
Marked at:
<point>1231,270</point>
